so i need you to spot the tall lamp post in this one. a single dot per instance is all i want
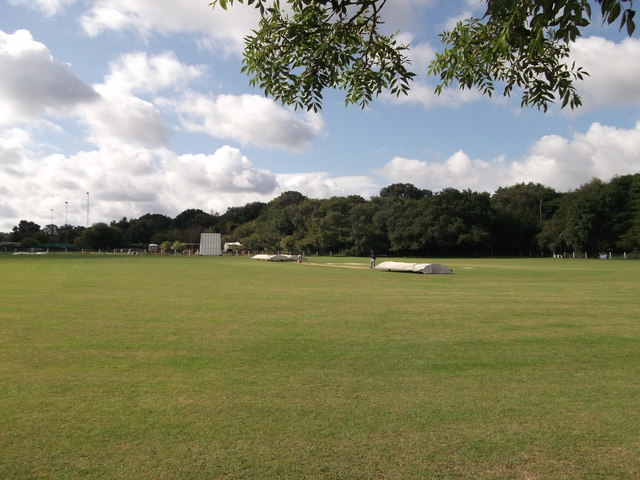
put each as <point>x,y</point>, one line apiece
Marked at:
<point>66,213</point>
<point>87,209</point>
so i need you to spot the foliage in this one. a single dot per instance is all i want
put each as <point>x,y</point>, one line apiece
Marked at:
<point>28,242</point>
<point>101,236</point>
<point>404,191</point>
<point>302,47</point>
<point>524,44</point>
<point>25,229</point>
<point>520,220</point>
<point>520,212</point>
<point>144,228</point>
<point>236,216</point>
<point>178,246</point>
<point>600,214</point>
<point>629,239</point>
<point>194,217</point>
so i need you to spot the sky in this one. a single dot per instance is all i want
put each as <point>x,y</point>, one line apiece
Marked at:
<point>119,108</point>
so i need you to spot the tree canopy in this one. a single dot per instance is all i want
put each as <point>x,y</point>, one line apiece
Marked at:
<point>302,47</point>
<point>523,219</point>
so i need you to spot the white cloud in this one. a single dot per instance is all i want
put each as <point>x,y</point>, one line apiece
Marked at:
<point>123,180</point>
<point>460,17</point>
<point>33,84</point>
<point>12,155</point>
<point>601,152</point>
<point>250,120</point>
<point>554,161</point>
<point>128,181</point>
<point>404,14</point>
<point>121,116</point>
<point>614,70</point>
<point>223,29</point>
<point>227,170</point>
<point>457,171</point>
<point>47,7</point>
<point>423,93</point>
<point>143,73</point>
<point>324,185</point>
<point>125,118</point>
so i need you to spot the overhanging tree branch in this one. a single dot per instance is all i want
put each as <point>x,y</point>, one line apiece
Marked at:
<point>298,52</point>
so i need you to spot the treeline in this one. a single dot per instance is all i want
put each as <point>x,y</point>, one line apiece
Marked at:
<point>520,220</point>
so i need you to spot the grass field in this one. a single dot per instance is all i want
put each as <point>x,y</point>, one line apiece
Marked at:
<point>152,367</point>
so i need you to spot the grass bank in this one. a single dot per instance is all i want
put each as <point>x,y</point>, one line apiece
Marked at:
<point>154,367</point>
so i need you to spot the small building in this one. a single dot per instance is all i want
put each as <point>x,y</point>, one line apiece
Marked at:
<point>154,248</point>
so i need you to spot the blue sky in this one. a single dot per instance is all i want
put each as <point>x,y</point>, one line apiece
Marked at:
<point>141,104</point>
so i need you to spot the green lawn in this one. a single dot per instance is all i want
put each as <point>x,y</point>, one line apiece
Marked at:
<point>153,367</point>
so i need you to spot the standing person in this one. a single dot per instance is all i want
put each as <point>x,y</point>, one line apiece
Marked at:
<point>372,263</point>
<point>299,258</point>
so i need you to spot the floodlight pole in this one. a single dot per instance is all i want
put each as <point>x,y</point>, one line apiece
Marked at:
<point>52,216</point>
<point>66,213</point>
<point>87,209</point>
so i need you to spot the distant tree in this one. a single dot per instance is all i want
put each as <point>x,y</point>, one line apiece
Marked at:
<point>26,229</point>
<point>122,224</point>
<point>335,225</point>
<point>276,220</point>
<point>101,236</point>
<point>520,211</point>
<point>287,198</point>
<point>235,216</point>
<point>178,246</point>
<point>306,221</point>
<point>171,236</point>
<point>192,234</point>
<point>623,204</point>
<point>143,229</point>
<point>29,242</point>
<point>365,234</point>
<point>68,234</point>
<point>404,191</point>
<point>195,217</point>
<point>551,236</point>
<point>456,223</point>
<point>287,244</point>
<point>192,222</point>
<point>629,239</point>
<point>392,217</point>
<point>51,231</point>
<point>598,216</point>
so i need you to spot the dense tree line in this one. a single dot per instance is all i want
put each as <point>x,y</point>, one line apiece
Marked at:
<point>520,220</point>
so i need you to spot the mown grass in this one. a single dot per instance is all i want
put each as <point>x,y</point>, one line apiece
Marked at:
<point>117,367</point>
